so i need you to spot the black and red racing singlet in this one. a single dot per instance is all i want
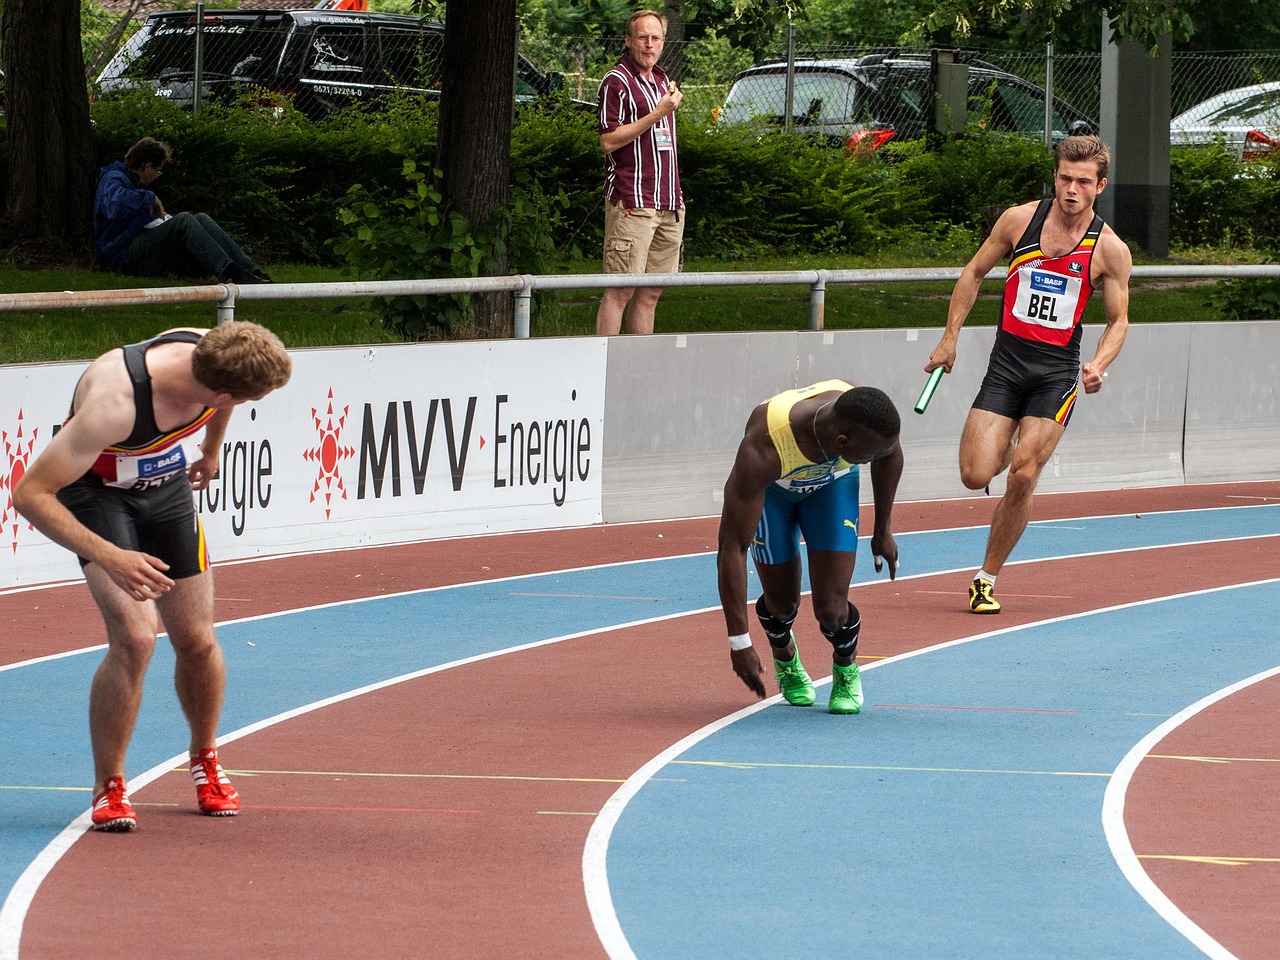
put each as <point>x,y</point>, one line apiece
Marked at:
<point>1045,297</point>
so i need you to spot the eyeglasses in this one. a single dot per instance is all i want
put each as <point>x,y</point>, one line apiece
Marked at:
<point>645,38</point>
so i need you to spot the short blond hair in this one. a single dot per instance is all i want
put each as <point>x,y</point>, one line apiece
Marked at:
<point>242,359</point>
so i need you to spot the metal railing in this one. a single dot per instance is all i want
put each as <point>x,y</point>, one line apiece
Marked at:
<point>523,286</point>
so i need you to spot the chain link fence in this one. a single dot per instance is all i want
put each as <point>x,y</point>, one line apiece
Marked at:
<point>390,56</point>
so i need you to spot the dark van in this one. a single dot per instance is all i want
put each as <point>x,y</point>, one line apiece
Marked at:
<point>319,60</point>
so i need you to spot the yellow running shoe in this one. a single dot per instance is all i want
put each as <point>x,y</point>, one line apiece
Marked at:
<point>981,599</point>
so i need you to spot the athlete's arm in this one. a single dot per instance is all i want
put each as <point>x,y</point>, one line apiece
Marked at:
<point>886,471</point>
<point>101,422</point>
<point>201,472</point>
<point>1116,266</point>
<point>755,467</point>
<point>994,249</point>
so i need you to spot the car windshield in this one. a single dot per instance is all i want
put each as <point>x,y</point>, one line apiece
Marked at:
<point>818,97</point>
<point>168,48</point>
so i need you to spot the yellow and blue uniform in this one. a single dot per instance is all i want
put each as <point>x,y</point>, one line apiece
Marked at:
<point>818,500</point>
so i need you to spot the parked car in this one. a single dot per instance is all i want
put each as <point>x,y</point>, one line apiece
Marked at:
<point>1246,120</point>
<point>317,60</point>
<point>863,102</point>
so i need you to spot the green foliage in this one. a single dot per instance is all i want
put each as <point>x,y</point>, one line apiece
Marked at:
<point>1142,21</point>
<point>1217,200</point>
<point>556,144</point>
<point>276,182</point>
<point>748,193</point>
<point>964,181</point>
<point>748,24</point>
<point>1252,299</point>
<point>413,234</point>
<point>273,182</point>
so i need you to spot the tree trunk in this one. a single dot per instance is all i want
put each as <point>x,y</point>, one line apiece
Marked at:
<point>477,95</point>
<point>49,204</point>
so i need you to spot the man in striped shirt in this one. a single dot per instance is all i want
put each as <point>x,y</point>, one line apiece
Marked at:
<point>644,209</point>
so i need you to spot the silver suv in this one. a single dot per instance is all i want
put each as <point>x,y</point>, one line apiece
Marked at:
<point>863,102</point>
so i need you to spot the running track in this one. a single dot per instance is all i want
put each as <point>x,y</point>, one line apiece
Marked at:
<point>532,746</point>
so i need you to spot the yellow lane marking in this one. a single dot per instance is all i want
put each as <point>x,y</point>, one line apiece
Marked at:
<point>732,765</point>
<point>1171,756</point>
<point>1212,861</point>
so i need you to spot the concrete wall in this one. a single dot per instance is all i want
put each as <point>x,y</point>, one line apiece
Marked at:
<point>1183,403</point>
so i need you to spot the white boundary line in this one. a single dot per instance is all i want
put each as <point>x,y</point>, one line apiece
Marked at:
<point>1118,838</point>
<point>14,911</point>
<point>595,876</point>
<point>595,873</point>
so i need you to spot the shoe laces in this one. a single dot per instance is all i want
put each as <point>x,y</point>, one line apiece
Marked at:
<point>208,773</point>
<point>113,795</point>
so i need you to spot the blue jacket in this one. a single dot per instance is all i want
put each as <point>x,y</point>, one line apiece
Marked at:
<point>121,209</point>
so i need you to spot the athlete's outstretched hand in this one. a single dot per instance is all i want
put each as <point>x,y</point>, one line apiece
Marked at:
<point>746,664</point>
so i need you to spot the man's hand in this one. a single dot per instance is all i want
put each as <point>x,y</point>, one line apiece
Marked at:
<point>671,100</point>
<point>885,548</point>
<point>1090,378</point>
<point>202,472</point>
<point>746,664</point>
<point>140,575</point>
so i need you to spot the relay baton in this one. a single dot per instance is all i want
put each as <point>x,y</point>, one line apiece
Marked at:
<point>930,385</point>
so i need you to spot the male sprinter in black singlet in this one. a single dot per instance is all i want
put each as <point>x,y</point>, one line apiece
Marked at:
<point>1059,251</point>
<point>797,472</point>
<point>114,486</point>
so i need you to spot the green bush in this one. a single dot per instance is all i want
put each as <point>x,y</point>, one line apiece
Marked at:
<point>749,194</point>
<point>277,180</point>
<point>412,233</point>
<point>1216,200</point>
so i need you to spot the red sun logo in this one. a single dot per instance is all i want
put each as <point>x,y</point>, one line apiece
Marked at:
<point>328,454</point>
<point>17,455</point>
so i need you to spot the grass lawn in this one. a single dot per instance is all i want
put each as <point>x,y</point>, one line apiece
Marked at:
<point>48,335</point>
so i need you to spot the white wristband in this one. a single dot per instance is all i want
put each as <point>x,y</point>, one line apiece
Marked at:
<point>740,642</point>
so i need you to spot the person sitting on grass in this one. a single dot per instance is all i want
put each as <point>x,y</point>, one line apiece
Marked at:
<point>134,235</point>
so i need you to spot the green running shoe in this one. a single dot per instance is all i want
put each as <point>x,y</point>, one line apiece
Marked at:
<point>796,687</point>
<point>846,689</point>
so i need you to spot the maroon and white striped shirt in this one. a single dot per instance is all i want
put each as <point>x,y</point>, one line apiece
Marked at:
<point>643,173</point>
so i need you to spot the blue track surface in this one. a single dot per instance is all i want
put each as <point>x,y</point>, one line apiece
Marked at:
<point>969,832</point>
<point>297,659</point>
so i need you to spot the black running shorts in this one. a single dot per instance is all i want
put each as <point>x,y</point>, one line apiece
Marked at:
<point>161,520</point>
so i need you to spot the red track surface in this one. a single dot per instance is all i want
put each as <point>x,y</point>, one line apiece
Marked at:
<point>445,817</point>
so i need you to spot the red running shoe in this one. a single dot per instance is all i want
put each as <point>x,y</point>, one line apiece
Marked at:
<point>111,809</point>
<point>216,795</point>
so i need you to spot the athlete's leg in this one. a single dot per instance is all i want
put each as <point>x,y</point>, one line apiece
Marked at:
<point>115,694</point>
<point>1038,438</point>
<point>781,599</point>
<point>986,447</point>
<point>830,572</point>
<point>200,675</point>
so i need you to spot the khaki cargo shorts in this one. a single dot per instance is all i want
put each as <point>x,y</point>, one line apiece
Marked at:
<point>643,240</point>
